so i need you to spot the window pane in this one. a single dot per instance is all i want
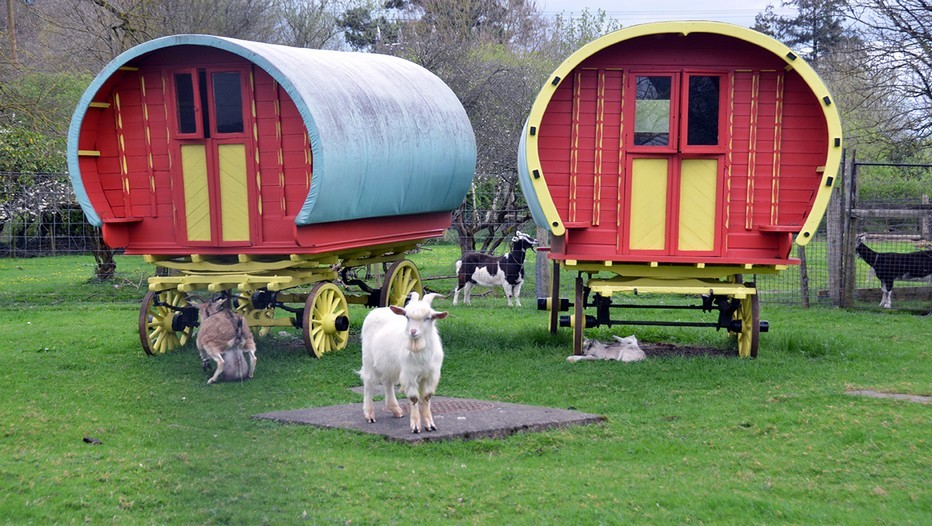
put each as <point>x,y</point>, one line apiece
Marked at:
<point>228,101</point>
<point>703,111</point>
<point>184,92</point>
<point>652,111</point>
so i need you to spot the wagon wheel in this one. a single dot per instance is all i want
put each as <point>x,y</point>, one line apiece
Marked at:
<point>749,314</point>
<point>325,320</point>
<point>401,280</point>
<point>158,331</point>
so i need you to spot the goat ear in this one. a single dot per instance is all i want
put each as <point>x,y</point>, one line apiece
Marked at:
<point>397,310</point>
<point>439,315</point>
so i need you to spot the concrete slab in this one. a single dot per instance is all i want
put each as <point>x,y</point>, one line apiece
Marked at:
<point>456,418</point>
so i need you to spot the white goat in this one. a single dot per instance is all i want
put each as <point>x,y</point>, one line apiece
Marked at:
<point>623,350</point>
<point>402,345</point>
<point>224,336</point>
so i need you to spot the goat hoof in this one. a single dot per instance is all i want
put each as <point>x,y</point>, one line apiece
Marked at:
<point>432,428</point>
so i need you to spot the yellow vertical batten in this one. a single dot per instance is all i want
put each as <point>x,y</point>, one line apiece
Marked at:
<point>121,155</point>
<point>196,195</point>
<point>234,193</point>
<point>281,148</point>
<point>255,139</point>
<point>698,191</point>
<point>648,221</point>
<point>752,150</point>
<point>148,133</point>
<point>574,146</point>
<point>597,168</point>
<point>777,147</point>
<point>730,156</point>
<point>619,203</point>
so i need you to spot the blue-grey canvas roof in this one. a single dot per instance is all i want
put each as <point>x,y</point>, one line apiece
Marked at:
<point>387,136</point>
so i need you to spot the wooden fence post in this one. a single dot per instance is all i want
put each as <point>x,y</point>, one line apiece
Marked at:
<point>850,234</point>
<point>924,229</point>
<point>834,233</point>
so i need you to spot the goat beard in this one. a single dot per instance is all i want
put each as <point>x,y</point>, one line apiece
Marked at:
<point>417,344</point>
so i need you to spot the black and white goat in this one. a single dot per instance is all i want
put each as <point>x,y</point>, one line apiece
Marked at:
<point>895,266</point>
<point>475,268</point>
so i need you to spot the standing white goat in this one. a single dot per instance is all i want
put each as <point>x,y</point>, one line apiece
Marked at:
<point>402,345</point>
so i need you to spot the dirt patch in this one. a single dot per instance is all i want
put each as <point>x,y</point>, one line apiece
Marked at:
<point>660,350</point>
<point>919,399</point>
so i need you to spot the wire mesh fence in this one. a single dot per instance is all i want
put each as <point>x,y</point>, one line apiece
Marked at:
<point>39,216</point>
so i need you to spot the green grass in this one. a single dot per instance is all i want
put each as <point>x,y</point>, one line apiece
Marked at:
<point>687,440</point>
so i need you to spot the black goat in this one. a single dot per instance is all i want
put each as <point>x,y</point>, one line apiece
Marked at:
<point>895,266</point>
<point>475,268</point>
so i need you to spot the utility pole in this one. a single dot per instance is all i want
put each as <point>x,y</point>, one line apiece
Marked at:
<point>11,25</point>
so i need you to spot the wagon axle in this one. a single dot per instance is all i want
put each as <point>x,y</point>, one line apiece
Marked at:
<point>726,307</point>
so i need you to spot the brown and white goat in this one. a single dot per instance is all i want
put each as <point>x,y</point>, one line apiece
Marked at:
<point>224,337</point>
<point>402,345</point>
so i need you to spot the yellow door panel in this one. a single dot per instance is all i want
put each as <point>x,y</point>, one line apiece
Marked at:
<point>234,196</point>
<point>196,195</point>
<point>698,191</point>
<point>648,204</point>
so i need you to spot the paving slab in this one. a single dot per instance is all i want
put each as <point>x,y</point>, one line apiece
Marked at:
<point>455,418</point>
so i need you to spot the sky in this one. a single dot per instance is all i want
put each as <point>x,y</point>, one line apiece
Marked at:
<point>631,12</point>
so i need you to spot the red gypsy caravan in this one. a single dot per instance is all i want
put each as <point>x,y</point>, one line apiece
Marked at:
<point>268,170</point>
<point>679,158</point>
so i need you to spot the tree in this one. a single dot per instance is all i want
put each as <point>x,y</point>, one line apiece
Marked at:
<point>815,30</point>
<point>896,48</point>
<point>488,53</point>
<point>309,24</point>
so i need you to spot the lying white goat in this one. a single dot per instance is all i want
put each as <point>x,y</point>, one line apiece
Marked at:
<point>401,345</point>
<point>623,350</point>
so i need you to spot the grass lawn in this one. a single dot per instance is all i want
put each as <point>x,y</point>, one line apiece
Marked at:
<point>774,440</point>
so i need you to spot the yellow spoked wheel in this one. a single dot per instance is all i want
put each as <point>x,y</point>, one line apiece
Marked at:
<point>749,314</point>
<point>166,321</point>
<point>401,280</point>
<point>325,320</point>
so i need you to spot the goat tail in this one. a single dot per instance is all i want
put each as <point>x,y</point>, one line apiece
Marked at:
<point>240,337</point>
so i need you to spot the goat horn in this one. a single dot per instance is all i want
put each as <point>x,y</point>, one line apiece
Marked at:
<point>429,298</point>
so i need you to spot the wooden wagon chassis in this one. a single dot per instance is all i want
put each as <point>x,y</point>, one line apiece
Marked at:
<point>721,290</point>
<point>312,289</point>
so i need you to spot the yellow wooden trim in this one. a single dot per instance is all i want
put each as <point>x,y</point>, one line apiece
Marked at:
<point>99,105</point>
<point>777,147</point>
<point>698,200</point>
<point>88,153</point>
<point>793,61</point>
<point>196,195</point>
<point>752,151</point>
<point>599,134</point>
<point>670,270</point>
<point>234,193</point>
<point>645,285</point>
<point>128,68</point>
<point>648,221</point>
